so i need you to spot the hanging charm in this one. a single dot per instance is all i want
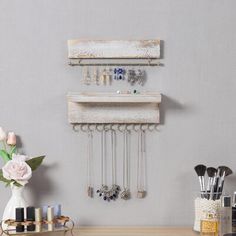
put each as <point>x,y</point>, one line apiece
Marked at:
<point>141,170</point>
<point>125,194</point>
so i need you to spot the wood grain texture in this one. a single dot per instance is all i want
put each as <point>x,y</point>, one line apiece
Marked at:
<point>87,49</point>
<point>113,108</point>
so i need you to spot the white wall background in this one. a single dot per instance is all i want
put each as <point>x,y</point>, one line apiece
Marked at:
<point>198,110</point>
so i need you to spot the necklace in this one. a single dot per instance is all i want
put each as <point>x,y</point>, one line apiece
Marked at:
<point>106,193</point>
<point>125,195</point>
<point>141,170</point>
<point>90,165</point>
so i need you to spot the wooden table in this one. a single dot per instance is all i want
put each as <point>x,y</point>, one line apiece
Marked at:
<point>127,231</point>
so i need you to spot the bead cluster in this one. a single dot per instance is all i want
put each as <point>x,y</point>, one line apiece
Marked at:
<point>119,74</point>
<point>109,194</point>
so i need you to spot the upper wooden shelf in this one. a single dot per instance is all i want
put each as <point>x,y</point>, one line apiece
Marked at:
<point>114,49</point>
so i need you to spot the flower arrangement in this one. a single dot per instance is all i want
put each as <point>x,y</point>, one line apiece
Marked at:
<point>18,168</point>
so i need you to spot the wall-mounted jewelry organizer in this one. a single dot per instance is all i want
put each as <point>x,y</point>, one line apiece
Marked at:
<point>107,113</point>
<point>114,52</point>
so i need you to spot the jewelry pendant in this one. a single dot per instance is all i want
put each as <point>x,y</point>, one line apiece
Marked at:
<point>90,191</point>
<point>125,195</point>
<point>141,194</point>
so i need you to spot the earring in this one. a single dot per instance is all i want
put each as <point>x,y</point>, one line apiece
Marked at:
<point>86,76</point>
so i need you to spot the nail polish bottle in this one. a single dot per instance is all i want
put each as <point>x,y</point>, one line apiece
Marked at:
<point>234,214</point>
<point>30,216</point>
<point>38,219</point>
<point>209,225</point>
<point>57,214</point>
<point>225,215</point>
<point>19,217</point>
<point>50,218</point>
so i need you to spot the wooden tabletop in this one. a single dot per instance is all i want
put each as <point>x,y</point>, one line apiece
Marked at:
<point>126,231</point>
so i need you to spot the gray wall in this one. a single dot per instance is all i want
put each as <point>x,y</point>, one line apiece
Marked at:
<point>198,114</point>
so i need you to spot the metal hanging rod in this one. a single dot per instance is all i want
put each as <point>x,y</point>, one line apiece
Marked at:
<point>82,62</point>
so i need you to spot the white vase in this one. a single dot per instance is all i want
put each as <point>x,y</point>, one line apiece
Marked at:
<point>16,200</point>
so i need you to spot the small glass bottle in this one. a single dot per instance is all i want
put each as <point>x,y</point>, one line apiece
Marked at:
<point>209,225</point>
<point>225,215</point>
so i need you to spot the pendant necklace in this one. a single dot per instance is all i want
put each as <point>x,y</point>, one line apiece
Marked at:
<point>141,170</point>
<point>125,194</point>
<point>90,164</point>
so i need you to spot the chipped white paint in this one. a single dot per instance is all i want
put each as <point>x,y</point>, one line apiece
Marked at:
<point>113,108</point>
<point>139,49</point>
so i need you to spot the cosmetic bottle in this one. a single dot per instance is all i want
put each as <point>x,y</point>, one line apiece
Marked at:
<point>50,218</point>
<point>209,225</point>
<point>234,214</point>
<point>225,215</point>
<point>30,216</point>
<point>20,218</point>
<point>38,219</point>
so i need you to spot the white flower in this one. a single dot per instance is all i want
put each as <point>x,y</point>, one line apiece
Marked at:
<point>18,157</point>
<point>3,135</point>
<point>17,170</point>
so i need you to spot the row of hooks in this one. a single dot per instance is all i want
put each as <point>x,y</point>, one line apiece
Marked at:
<point>115,127</point>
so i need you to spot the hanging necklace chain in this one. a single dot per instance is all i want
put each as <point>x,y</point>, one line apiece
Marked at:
<point>90,164</point>
<point>113,155</point>
<point>141,170</point>
<point>126,160</point>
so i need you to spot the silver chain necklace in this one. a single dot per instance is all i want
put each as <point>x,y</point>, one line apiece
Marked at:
<point>90,186</point>
<point>141,170</point>
<point>125,194</point>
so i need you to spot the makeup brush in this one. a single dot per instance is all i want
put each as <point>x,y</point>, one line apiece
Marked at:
<point>225,171</point>
<point>211,171</point>
<point>216,183</point>
<point>201,170</point>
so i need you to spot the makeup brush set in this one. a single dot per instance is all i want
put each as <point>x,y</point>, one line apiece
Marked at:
<point>212,188</point>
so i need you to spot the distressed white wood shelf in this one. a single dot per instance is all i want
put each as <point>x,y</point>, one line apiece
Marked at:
<point>142,52</point>
<point>113,108</point>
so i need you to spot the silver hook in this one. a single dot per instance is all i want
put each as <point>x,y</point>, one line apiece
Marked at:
<point>137,127</point>
<point>76,127</point>
<point>122,127</point>
<point>85,128</point>
<point>129,127</point>
<point>100,127</point>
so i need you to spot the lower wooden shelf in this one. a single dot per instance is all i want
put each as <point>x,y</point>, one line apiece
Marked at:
<point>129,231</point>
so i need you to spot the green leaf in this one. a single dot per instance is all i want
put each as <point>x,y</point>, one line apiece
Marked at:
<point>17,184</point>
<point>35,162</point>
<point>6,157</point>
<point>13,150</point>
<point>3,179</point>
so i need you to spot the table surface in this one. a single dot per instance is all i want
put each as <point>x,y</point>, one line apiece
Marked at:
<point>126,231</point>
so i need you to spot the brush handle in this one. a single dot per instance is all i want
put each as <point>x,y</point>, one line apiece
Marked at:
<point>212,188</point>
<point>202,185</point>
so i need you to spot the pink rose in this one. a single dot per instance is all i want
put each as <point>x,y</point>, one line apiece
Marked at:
<point>17,170</point>
<point>11,139</point>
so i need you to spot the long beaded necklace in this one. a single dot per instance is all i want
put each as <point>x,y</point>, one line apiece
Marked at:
<point>141,170</point>
<point>104,192</point>
<point>125,194</point>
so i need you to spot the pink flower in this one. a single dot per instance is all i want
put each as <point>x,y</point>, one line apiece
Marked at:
<point>11,139</point>
<point>17,170</point>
